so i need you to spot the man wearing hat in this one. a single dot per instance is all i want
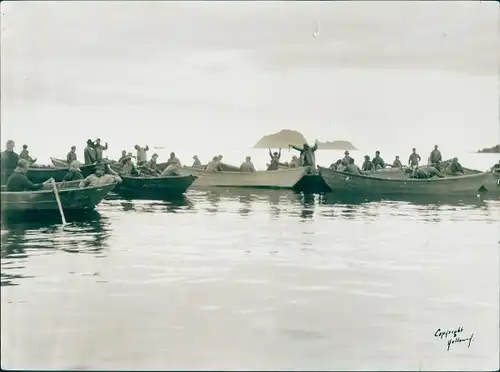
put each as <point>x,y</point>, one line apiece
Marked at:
<point>74,172</point>
<point>18,181</point>
<point>128,168</point>
<point>71,157</point>
<point>152,163</point>
<point>367,164</point>
<point>9,161</point>
<point>89,153</point>
<point>347,157</point>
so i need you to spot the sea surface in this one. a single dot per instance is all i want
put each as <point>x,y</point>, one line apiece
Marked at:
<point>254,280</point>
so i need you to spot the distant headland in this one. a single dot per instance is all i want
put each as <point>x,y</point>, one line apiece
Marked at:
<point>286,137</point>
<point>491,150</point>
<point>336,145</point>
<point>281,139</point>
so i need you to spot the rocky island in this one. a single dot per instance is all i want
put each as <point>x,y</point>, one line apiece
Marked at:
<point>336,145</point>
<point>491,150</point>
<point>281,139</point>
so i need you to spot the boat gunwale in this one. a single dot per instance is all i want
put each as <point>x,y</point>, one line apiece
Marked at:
<point>65,190</point>
<point>257,171</point>
<point>411,180</point>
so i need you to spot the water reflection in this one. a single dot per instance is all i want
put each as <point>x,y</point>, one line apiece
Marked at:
<point>148,205</point>
<point>84,234</point>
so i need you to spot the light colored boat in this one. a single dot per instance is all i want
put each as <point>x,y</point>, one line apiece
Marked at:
<point>282,178</point>
<point>370,185</point>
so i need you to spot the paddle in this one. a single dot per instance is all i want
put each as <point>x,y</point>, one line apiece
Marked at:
<point>56,193</point>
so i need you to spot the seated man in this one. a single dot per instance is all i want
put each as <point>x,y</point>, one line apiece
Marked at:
<point>397,163</point>
<point>456,167</point>
<point>128,168</point>
<point>100,177</point>
<point>294,163</point>
<point>18,181</point>
<point>74,172</point>
<point>353,168</point>
<point>247,165</point>
<point>368,165</point>
<point>171,170</point>
<point>215,165</point>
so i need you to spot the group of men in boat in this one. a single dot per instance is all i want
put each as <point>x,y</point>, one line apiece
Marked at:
<point>17,165</point>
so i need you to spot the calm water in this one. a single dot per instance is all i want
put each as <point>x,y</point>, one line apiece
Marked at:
<point>254,280</point>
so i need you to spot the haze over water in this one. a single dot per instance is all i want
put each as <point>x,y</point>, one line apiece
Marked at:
<point>248,279</point>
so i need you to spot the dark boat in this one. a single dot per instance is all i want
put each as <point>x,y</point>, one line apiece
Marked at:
<point>368,185</point>
<point>156,187</point>
<point>42,174</point>
<point>73,198</point>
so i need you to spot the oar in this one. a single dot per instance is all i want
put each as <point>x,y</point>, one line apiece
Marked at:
<point>56,193</point>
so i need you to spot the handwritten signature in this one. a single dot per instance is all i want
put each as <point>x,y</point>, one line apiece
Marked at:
<point>453,336</point>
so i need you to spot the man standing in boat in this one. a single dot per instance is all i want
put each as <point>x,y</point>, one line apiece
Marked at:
<point>414,159</point>
<point>275,160</point>
<point>71,156</point>
<point>89,153</point>
<point>142,158</point>
<point>99,149</point>
<point>307,153</point>
<point>436,158</point>
<point>9,161</point>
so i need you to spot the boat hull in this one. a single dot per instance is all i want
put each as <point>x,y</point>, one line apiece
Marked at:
<point>156,187</point>
<point>369,185</point>
<point>279,179</point>
<point>72,198</point>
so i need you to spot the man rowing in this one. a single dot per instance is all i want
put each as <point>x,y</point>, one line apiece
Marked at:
<point>18,181</point>
<point>103,175</point>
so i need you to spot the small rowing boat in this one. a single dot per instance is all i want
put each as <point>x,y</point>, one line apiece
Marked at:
<point>280,179</point>
<point>73,198</point>
<point>370,185</point>
<point>163,186</point>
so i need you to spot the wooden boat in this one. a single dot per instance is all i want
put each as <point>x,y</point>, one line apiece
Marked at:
<point>72,198</point>
<point>165,186</point>
<point>282,178</point>
<point>369,185</point>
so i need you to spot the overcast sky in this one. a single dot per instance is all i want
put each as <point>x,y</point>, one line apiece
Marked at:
<point>249,61</point>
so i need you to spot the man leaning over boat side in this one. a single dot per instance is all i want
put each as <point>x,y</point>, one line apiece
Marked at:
<point>9,160</point>
<point>247,165</point>
<point>100,177</point>
<point>18,181</point>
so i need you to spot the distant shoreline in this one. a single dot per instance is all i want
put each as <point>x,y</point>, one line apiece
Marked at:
<point>490,150</point>
<point>336,145</point>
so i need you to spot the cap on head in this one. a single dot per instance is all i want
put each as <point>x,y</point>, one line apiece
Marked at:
<point>155,155</point>
<point>73,147</point>
<point>367,157</point>
<point>25,147</point>
<point>98,140</point>
<point>346,152</point>
<point>436,146</point>
<point>248,158</point>
<point>397,156</point>
<point>89,142</point>
<point>195,156</point>
<point>22,163</point>
<point>414,149</point>
<point>377,152</point>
